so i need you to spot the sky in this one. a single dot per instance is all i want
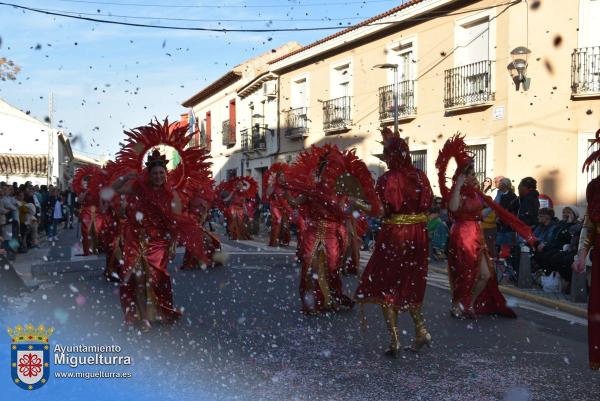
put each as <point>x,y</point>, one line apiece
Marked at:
<point>105,78</point>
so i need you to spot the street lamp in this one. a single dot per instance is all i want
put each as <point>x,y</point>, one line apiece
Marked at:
<point>518,67</point>
<point>393,67</point>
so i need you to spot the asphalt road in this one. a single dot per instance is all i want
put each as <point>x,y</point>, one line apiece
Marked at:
<point>243,337</point>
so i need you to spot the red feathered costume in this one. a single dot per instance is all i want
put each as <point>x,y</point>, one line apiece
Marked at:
<point>113,213</point>
<point>280,209</point>
<point>396,275</point>
<point>590,237</point>
<point>466,246</point>
<point>154,220</point>
<point>324,237</point>
<point>87,184</point>
<point>198,208</point>
<point>237,191</point>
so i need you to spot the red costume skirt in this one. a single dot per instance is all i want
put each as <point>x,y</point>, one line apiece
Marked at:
<point>396,274</point>
<point>146,292</point>
<point>594,309</point>
<point>320,281</point>
<point>280,227</point>
<point>466,247</point>
<point>236,225</point>
<point>92,224</point>
<point>211,245</point>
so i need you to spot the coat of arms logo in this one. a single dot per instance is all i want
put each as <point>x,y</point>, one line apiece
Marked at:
<point>30,355</point>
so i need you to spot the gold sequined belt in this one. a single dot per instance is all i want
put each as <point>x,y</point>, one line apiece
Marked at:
<point>405,219</point>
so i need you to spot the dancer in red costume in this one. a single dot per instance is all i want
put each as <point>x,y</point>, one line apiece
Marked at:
<point>396,275</point>
<point>278,204</point>
<point>155,221</point>
<point>590,237</point>
<point>113,212</point>
<point>319,176</point>
<point>198,208</point>
<point>356,227</point>
<point>87,183</point>
<point>237,191</point>
<point>470,271</point>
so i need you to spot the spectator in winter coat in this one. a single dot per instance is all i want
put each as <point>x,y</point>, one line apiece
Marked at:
<point>505,236</point>
<point>529,203</point>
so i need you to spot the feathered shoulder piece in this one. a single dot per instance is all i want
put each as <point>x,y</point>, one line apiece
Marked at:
<point>595,156</point>
<point>271,174</point>
<point>95,177</point>
<point>357,169</point>
<point>192,173</point>
<point>456,148</point>
<point>302,174</point>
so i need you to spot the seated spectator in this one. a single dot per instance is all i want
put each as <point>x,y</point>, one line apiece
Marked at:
<point>558,254</point>
<point>438,234</point>
<point>546,228</point>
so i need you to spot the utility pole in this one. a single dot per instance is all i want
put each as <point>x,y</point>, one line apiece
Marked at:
<point>50,138</point>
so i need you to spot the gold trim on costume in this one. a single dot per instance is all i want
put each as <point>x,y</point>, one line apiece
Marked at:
<point>405,219</point>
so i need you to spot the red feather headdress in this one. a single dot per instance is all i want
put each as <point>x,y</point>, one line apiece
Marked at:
<point>456,148</point>
<point>95,177</point>
<point>594,156</point>
<point>275,169</point>
<point>396,152</point>
<point>301,176</point>
<point>191,176</point>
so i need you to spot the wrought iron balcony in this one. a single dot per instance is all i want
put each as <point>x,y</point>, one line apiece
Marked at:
<point>585,71</point>
<point>406,100</point>
<point>259,139</point>
<point>254,138</point>
<point>226,132</point>
<point>296,122</point>
<point>336,114</point>
<point>469,84</point>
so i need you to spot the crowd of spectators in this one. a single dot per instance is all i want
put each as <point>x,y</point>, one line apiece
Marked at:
<point>558,238</point>
<point>28,212</point>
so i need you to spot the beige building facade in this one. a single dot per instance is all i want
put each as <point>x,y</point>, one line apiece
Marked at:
<point>450,64</point>
<point>452,60</point>
<point>236,117</point>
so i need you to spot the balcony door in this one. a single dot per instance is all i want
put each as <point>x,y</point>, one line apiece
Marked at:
<point>473,47</point>
<point>341,81</point>
<point>589,29</point>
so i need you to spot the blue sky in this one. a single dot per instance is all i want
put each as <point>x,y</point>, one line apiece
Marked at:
<point>106,78</point>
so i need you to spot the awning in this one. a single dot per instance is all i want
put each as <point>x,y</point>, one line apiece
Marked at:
<point>24,165</point>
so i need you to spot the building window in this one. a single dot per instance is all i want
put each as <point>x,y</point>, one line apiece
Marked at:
<point>341,81</point>
<point>594,167</point>
<point>419,159</point>
<point>299,93</point>
<point>480,158</point>
<point>231,173</point>
<point>208,131</point>
<point>473,42</point>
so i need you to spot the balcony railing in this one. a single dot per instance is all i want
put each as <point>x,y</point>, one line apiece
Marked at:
<point>585,71</point>
<point>254,138</point>
<point>468,85</point>
<point>226,132</point>
<point>406,100</point>
<point>336,113</point>
<point>259,139</point>
<point>296,122</point>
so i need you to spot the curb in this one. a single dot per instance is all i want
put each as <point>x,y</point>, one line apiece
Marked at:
<point>515,292</point>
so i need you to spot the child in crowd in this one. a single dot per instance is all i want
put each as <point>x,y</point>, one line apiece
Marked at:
<point>438,234</point>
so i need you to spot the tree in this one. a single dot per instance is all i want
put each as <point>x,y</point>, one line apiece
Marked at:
<point>8,69</point>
